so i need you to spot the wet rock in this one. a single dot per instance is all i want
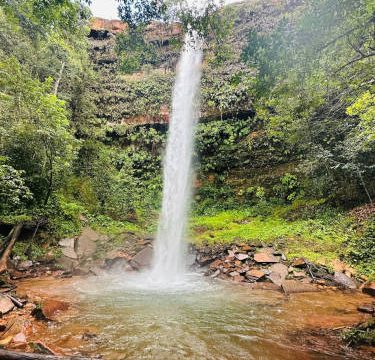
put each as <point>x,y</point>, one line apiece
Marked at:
<point>293,286</point>
<point>264,257</point>
<point>143,258</point>
<point>6,304</point>
<point>86,243</point>
<point>238,278</point>
<point>366,308</point>
<point>203,260</point>
<point>51,307</point>
<point>216,273</point>
<point>241,257</point>
<point>369,288</point>
<point>24,265</point>
<point>263,286</point>
<point>233,273</point>
<point>299,263</point>
<point>344,280</point>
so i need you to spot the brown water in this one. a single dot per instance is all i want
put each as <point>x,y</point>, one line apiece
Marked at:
<point>195,320</point>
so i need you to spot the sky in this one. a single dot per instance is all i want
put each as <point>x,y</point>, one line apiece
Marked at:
<point>107,9</point>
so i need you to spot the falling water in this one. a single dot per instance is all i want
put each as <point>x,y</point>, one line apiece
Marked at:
<point>169,256</point>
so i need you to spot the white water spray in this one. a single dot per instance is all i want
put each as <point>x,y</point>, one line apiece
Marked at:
<point>169,252</point>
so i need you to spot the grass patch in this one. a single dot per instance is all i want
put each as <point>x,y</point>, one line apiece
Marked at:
<point>320,237</point>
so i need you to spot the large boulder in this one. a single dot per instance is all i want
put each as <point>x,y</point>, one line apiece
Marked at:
<point>143,258</point>
<point>86,243</point>
<point>344,280</point>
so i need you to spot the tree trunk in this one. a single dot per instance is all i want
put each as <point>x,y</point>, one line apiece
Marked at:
<point>10,355</point>
<point>57,82</point>
<point>5,256</point>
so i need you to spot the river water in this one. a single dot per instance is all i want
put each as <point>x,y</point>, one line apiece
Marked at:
<point>119,318</point>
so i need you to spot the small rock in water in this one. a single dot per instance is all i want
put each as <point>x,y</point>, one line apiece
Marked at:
<point>367,308</point>
<point>369,288</point>
<point>344,280</point>
<point>293,286</point>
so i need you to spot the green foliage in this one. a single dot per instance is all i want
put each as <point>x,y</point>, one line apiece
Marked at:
<point>13,191</point>
<point>289,187</point>
<point>319,236</point>
<point>363,334</point>
<point>360,249</point>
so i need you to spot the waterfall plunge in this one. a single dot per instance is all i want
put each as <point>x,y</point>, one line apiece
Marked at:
<point>169,253</point>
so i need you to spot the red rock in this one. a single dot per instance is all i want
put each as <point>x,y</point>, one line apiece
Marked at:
<point>245,247</point>
<point>238,263</point>
<point>51,307</point>
<point>263,257</point>
<point>369,288</point>
<point>293,286</point>
<point>255,273</point>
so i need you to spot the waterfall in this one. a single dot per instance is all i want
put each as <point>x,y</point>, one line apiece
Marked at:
<point>169,251</point>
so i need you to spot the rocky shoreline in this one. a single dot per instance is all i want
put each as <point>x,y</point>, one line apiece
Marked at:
<point>249,265</point>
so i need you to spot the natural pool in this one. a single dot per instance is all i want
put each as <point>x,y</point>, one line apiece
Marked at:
<point>119,317</point>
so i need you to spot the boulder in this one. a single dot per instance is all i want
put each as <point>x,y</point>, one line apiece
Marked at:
<point>69,253</point>
<point>6,304</point>
<point>143,258</point>
<point>279,269</point>
<point>344,280</point>
<point>369,288</point>
<point>86,243</point>
<point>293,286</point>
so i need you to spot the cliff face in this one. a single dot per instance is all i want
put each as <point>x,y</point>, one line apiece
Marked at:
<point>143,97</point>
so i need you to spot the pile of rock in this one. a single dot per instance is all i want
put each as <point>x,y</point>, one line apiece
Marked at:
<point>246,263</point>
